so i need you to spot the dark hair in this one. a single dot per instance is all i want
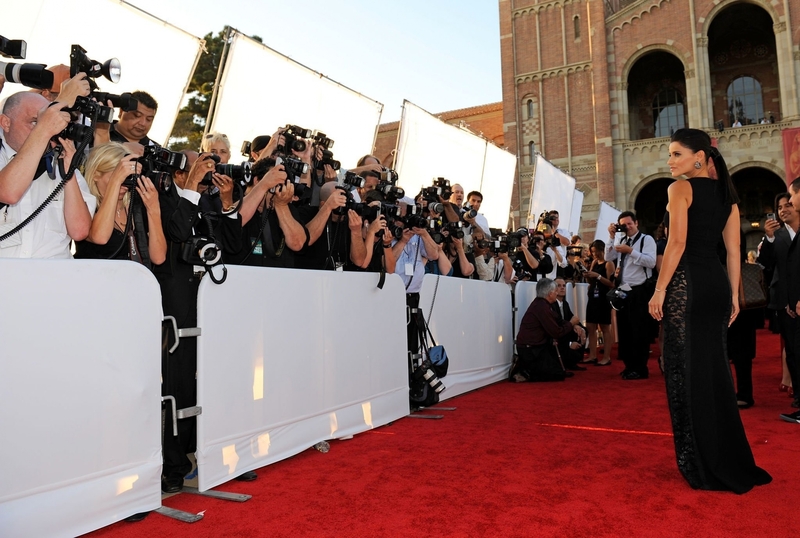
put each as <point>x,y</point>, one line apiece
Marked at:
<point>146,99</point>
<point>474,193</point>
<point>598,245</point>
<point>363,160</point>
<point>778,198</point>
<point>624,214</point>
<point>697,140</point>
<point>795,186</point>
<point>552,212</point>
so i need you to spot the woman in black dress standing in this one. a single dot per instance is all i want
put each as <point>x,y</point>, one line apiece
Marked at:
<point>598,310</point>
<point>698,301</point>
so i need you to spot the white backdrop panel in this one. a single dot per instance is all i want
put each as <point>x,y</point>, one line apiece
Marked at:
<point>551,189</point>
<point>80,392</point>
<point>497,185</point>
<point>262,90</point>
<point>157,58</point>
<point>606,216</point>
<point>289,367</point>
<point>577,209</point>
<point>524,294</point>
<point>428,147</point>
<point>472,320</point>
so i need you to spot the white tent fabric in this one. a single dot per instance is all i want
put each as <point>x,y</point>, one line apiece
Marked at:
<point>428,148</point>
<point>606,216</point>
<point>551,189</point>
<point>158,58</point>
<point>261,90</point>
<point>577,209</point>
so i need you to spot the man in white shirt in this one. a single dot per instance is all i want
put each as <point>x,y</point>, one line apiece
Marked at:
<point>474,201</point>
<point>27,127</point>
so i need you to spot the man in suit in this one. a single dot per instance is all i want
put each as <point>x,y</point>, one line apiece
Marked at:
<point>792,308</point>
<point>570,347</point>
<point>775,256</point>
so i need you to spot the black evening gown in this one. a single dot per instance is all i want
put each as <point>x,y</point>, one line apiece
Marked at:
<point>710,443</point>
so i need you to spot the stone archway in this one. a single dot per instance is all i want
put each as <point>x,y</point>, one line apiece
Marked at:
<point>757,187</point>
<point>650,202</point>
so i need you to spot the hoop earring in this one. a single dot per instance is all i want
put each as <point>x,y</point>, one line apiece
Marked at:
<point>697,165</point>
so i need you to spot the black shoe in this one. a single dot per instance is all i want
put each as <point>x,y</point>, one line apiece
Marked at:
<point>624,372</point>
<point>136,517</point>
<point>744,404</point>
<point>171,485</point>
<point>796,404</point>
<point>569,374</point>
<point>576,368</point>
<point>791,417</point>
<point>249,476</point>
<point>634,375</point>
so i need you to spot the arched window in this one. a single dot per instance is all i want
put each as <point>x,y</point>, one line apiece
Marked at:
<point>576,22</point>
<point>531,152</point>
<point>668,112</point>
<point>530,108</point>
<point>745,103</point>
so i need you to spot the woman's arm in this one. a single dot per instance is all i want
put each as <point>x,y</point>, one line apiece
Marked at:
<point>731,237</point>
<point>680,198</point>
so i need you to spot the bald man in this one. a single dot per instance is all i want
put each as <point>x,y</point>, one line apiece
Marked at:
<point>27,125</point>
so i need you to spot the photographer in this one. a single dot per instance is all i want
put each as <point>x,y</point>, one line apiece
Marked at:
<point>474,201</point>
<point>531,255</point>
<point>114,233</point>
<point>490,264</point>
<point>179,278</point>
<point>575,268</point>
<point>554,242</point>
<point>537,356</point>
<point>28,126</point>
<point>132,126</point>
<point>636,256</point>
<point>463,263</point>
<point>219,145</point>
<point>272,227</point>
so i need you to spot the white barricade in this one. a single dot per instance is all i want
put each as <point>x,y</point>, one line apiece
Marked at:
<point>80,390</point>
<point>472,320</point>
<point>578,298</point>
<point>289,358</point>
<point>524,294</point>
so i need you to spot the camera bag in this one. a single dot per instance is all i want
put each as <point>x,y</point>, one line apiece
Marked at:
<point>751,287</point>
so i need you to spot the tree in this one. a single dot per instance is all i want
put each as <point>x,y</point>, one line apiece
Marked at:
<point>191,121</point>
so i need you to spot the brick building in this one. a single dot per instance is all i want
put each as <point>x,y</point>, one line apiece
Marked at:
<point>484,120</point>
<point>597,86</point>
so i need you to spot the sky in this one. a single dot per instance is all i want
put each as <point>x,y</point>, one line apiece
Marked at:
<point>439,54</point>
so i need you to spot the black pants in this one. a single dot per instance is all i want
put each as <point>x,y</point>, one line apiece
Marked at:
<point>179,374</point>
<point>742,351</point>
<point>538,363</point>
<point>634,326</point>
<point>413,328</point>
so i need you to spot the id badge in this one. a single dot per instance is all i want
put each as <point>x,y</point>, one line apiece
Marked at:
<point>257,249</point>
<point>409,269</point>
<point>5,227</point>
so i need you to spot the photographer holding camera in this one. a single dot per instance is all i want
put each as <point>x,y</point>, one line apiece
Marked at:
<point>115,233</point>
<point>132,126</point>
<point>636,255</point>
<point>194,243</point>
<point>30,124</point>
<point>531,256</point>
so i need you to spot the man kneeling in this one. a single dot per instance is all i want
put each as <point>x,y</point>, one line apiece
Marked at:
<point>538,358</point>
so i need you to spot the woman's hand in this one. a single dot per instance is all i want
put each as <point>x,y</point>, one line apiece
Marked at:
<point>149,195</point>
<point>656,304</point>
<point>125,167</point>
<point>734,309</point>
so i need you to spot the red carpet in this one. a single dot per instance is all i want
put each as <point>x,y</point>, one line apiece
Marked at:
<point>592,456</point>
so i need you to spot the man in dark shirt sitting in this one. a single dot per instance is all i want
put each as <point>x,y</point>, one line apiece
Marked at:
<point>537,356</point>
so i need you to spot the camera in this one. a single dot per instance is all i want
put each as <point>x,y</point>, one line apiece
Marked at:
<point>352,180</point>
<point>440,188</point>
<point>159,164</point>
<point>545,218</point>
<point>13,48</point>
<point>91,109</point>
<point>414,218</point>
<point>321,139</point>
<point>425,371</point>
<point>79,62</point>
<point>620,228</point>
<point>391,193</point>
<point>201,250</point>
<point>327,158</point>
<point>75,132</point>
<point>468,212</point>
<point>241,173</point>
<point>506,243</point>
<point>617,297</point>
<point>454,230</point>
<point>30,75</point>
<point>520,270</point>
<point>771,216</point>
<point>387,174</point>
<point>444,185</point>
<point>125,102</point>
<point>293,166</point>
<point>484,243</point>
<point>293,137</point>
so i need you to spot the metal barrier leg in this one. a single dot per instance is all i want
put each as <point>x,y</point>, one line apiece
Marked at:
<point>180,515</point>
<point>223,495</point>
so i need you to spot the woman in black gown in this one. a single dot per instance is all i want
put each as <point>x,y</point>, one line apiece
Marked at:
<point>698,300</point>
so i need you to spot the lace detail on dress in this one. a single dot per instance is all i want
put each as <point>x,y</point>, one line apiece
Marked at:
<point>676,375</point>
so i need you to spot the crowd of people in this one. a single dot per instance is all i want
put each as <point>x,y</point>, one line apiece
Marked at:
<point>118,195</point>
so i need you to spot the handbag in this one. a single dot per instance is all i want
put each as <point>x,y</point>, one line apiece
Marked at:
<point>752,293</point>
